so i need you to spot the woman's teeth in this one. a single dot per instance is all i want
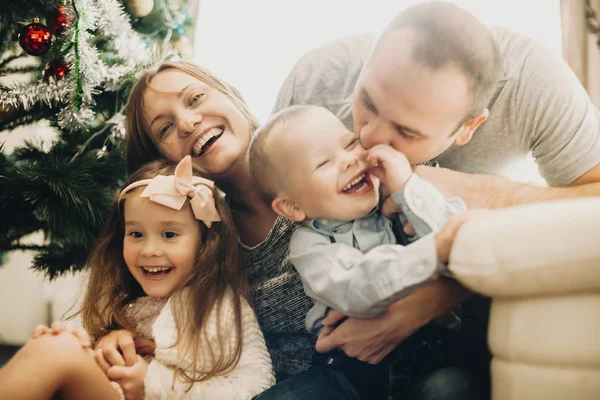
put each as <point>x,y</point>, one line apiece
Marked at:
<point>199,145</point>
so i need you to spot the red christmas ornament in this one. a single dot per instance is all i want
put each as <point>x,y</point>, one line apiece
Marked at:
<point>35,38</point>
<point>57,20</point>
<point>56,69</point>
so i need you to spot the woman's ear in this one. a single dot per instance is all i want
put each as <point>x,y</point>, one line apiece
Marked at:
<point>287,208</point>
<point>465,133</point>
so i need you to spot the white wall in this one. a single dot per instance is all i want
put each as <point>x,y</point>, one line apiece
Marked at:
<point>254,44</point>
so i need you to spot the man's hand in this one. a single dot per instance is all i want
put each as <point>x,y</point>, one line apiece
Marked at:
<point>116,348</point>
<point>445,237</point>
<point>369,340</point>
<point>390,166</point>
<point>372,339</point>
<point>131,379</point>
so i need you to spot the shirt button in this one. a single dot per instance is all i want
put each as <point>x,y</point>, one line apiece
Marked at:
<point>420,269</point>
<point>418,202</point>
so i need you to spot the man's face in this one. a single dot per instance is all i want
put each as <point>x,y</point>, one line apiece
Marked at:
<point>412,108</point>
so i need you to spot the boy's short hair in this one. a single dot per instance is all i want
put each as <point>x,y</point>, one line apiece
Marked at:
<point>263,168</point>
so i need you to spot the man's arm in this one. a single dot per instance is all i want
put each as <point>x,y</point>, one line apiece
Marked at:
<point>372,339</point>
<point>489,191</point>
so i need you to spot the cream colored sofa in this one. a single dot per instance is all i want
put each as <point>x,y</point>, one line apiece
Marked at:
<point>540,264</point>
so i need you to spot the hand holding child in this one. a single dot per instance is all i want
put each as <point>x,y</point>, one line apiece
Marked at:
<point>445,237</point>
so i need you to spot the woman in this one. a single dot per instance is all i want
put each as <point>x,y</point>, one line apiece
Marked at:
<point>181,109</point>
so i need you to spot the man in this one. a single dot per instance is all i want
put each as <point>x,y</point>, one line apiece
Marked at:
<point>440,85</point>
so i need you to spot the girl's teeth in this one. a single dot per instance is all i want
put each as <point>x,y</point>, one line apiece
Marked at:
<point>156,269</point>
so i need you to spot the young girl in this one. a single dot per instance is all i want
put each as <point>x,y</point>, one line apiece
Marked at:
<point>165,267</point>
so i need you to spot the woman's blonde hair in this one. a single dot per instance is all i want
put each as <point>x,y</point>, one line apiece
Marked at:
<point>140,149</point>
<point>217,275</point>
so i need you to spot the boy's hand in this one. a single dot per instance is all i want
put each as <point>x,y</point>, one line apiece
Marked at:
<point>390,166</point>
<point>131,379</point>
<point>445,237</point>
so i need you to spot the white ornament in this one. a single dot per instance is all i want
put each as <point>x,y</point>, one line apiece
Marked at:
<point>140,8</point>
<point>184,48</point>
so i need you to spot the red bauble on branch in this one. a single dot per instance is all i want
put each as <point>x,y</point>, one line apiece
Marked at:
<point>56,69</point>
<point>57,20</point>
<point>35,38</point>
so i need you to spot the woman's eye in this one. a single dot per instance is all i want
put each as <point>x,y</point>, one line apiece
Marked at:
<point>194,99</point>
<point>163,132</point>
<point>136,234</point>
<point>170,235</point>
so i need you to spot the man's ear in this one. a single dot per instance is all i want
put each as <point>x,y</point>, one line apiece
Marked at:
<point>465,133</point>
<point>287,208</point>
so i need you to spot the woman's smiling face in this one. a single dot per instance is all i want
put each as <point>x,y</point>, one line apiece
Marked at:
<point>185,116</point>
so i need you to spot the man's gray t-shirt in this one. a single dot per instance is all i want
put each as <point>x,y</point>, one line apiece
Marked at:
<point>539,107</point>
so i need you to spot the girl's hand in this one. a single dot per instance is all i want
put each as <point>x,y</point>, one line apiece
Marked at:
<point>57,328</point>
<point>390,166</point>
<point>131,379</point>
<point>117,348</point>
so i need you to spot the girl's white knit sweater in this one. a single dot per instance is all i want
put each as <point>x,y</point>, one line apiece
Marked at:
<point>251,376</point>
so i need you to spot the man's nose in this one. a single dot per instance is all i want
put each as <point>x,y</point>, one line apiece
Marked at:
<point>370,134</point>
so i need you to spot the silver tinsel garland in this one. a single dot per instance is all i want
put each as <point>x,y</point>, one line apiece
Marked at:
<point>87,72</point>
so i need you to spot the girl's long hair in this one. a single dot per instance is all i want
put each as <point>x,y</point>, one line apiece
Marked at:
<point>218,280</point>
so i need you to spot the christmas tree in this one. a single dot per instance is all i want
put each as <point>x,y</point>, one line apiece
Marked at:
<point>81,58</point>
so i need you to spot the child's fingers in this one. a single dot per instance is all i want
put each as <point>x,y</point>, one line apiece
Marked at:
<point>82,336</point>
<point>101,361</point>
<point>117,372</point>
<point>57,327</point>
<point>39,331</point>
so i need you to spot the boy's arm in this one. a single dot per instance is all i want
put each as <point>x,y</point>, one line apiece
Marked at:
<point>357,284</point>
<point>425,208</point>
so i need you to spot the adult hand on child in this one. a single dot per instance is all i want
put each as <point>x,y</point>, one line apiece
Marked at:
<point>445,237</point>
<point>116,348</point>
<point>130,378</point>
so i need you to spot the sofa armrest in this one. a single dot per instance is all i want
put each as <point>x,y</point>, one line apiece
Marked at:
<point>532,250</point>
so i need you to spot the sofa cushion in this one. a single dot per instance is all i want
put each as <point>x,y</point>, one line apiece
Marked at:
<point>532,250</point>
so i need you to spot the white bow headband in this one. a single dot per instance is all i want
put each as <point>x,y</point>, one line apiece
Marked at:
<point>171,191</point>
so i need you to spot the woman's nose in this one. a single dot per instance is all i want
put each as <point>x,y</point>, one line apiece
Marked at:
<point>188,122</point>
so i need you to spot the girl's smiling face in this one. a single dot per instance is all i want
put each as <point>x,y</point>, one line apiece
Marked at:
<point>185,116</point>
<point>160,244</point>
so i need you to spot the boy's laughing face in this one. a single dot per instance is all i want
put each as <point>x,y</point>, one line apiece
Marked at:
<point>324,169</point>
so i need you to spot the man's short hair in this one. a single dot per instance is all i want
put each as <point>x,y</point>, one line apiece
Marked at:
<point>263,168</point>
<point>447,35</point>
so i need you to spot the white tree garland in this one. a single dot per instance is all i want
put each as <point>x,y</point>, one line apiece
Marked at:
<point>87,72</point>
